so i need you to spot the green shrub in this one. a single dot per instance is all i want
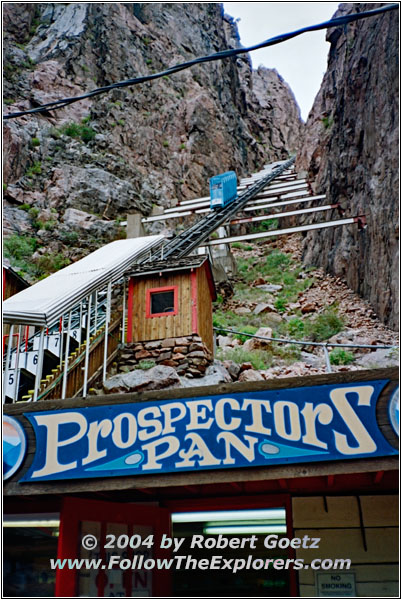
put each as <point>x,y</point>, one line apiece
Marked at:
<point>280,304</point>
<point>77,130</point>
<point>35,169</point>
<point>69,237</point>
<point>165,143</point>
<point>50,263</point>
<point>19,247</point>
<point>241,246</point>
<point>339,356</point>
<point>324,325</point>
<point>258,358</point>
<point>145,364</point>
<point>35,142</point>
<point>87,133</point>
<point>246,329</point>
<point>296,328</point>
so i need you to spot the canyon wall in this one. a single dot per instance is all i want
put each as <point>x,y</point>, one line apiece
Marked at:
<point>350,149</point>
<point>72,175</point>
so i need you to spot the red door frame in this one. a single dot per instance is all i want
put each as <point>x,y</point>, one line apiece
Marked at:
<point>244,503</point>
<point>75,510</point>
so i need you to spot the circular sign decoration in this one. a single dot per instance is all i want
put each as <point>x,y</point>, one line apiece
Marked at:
<point>393,411</point>
<point>14,446</point>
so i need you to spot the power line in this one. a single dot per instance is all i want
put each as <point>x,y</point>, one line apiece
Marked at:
<point>338,21</point>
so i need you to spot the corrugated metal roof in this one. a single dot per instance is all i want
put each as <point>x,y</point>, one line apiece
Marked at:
<point>49,299</point>
<point>162,266</point>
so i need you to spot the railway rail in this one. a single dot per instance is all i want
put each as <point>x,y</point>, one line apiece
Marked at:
<point>189,240</point>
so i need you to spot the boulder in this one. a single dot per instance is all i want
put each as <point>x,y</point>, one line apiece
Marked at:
<point>258,344</point>
<point>270,287</point>
<point>379,359</point>
<point>157,378</point>
<point>251,375</point>
<point>224,341</point>
<point>262,307</point>
<point>215,374</point>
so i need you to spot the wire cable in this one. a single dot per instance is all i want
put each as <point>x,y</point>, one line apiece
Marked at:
<point>338,21</point>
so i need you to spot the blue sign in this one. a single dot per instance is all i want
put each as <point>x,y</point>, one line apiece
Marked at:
<point>321,423</point>
<point>14,446</point>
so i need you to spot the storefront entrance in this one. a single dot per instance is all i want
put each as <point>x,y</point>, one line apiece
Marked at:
<point>189,533</point>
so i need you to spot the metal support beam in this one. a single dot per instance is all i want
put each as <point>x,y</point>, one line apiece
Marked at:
<point>123,326</point>
<point>265,234</point>
<point>40,363</point>
<point>108,312</point>
<point>88,340</point>
<point>17,360</point>
<point>7,366</point>
<point>64,386</point>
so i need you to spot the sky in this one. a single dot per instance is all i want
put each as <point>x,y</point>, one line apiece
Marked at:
<point>301,61</point>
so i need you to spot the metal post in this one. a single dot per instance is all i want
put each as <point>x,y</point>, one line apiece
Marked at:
<point>327,361</point>
<point>108,301</point>
<point>96,311</point>
<point>6,369</point>
<point>84,389</point>
<point>64,388</point>
<point>80,325</point>
<point>17,360</point>
<point>61,340</point>
<point>123,329</point>
<point>40,364</point>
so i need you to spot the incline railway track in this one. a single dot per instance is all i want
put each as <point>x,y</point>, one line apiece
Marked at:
<point>262,190</point>
<point>184,243</point>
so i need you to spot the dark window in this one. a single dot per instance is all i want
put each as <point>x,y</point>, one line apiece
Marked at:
<point>162,302</point>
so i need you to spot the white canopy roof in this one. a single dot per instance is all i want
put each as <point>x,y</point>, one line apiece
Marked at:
<point>49,299</point>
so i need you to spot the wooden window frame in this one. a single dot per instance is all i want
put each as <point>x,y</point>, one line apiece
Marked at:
<point>170,288</point>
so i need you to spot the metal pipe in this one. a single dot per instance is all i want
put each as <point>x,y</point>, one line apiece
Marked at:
<point>305,342</point>
<point>7,366</point>
<point>86,364</point>
<point>327,360</point>
<point>108,301</point>
<point>96,311</point>
<point>40,364</point>
<point>64,387</point>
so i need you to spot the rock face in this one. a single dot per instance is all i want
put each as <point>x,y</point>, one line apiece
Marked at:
<point>351,149</point>
<point>140,146</point>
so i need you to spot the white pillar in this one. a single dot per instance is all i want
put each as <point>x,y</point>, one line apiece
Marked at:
<point>108,310</point>
<point>5,376</point>
<point>40,363</point>
<point>123,329</point>
<point>84,389</point>
<point>64,387</point>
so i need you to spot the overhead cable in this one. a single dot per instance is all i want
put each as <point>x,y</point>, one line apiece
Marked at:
<point>337,22</point>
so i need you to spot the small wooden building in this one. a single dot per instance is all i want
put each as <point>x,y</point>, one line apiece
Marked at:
<point>170,300</point>
<point>12,282</point>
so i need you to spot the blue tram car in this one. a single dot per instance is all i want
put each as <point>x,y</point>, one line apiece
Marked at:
<point>222,189</point>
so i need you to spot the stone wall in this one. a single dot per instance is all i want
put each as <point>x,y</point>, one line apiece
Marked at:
<point>188,355</point>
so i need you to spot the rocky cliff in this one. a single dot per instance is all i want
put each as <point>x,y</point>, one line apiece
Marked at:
<point>73,174</point>
<point>351,149</point>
